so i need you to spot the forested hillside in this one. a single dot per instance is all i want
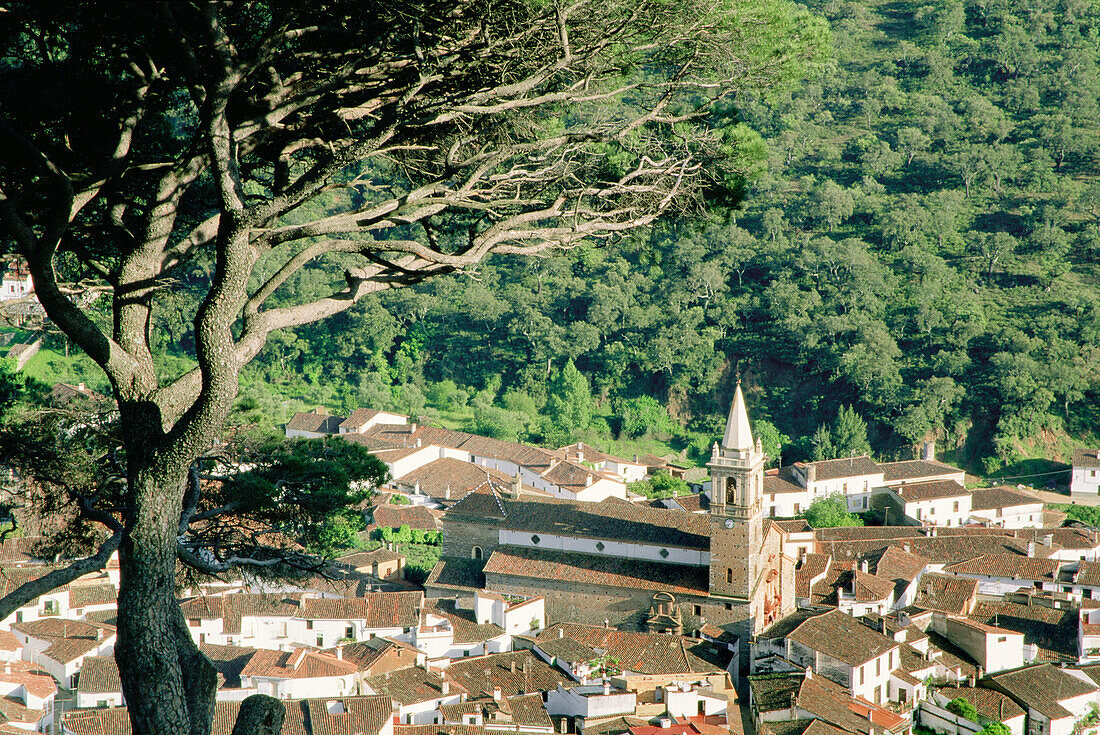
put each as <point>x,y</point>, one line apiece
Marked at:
<point>921,242</point>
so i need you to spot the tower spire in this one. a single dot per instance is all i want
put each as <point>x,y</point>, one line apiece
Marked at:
<point>738,435</point>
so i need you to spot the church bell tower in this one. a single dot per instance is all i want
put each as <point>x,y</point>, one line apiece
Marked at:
<point>736,506</point>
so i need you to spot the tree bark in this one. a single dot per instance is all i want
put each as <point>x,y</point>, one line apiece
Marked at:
<point>168,683</point>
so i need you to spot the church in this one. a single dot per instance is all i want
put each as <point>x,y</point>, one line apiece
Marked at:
<point>631,565</point>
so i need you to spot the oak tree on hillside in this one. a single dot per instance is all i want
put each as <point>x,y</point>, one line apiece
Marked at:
<point>238,142</point>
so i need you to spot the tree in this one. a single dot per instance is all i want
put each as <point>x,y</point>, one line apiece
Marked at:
<point>388,142</point>
<point>569,407</point>
<point>962,707</point>
<point>830,512</point>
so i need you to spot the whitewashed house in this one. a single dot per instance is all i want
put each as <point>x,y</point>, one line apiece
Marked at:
<point>1085,473</point>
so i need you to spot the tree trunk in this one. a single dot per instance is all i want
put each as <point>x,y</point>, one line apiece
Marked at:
<point>169,685</point>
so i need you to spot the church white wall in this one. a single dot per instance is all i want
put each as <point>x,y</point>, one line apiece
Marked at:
<point>675,555</point>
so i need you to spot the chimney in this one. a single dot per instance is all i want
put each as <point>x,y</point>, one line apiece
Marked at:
<point>929,453</point>
<point>445,687</point>
<point>496,694</point>
<point>561,632</point>
<point>80,387</point>
<point>606,687</point>
<point>811,473</point>
<point>1031,548</point>
<point>513,666</point>
<point>416,488</point>
<point>580,453</point>
<point>636,458</point>
<point>340,652</point>
<point>517,485</point>
<point>412,428</point>
<point>418,442</point>
<point>587,480</point>
<point>905,547</point>
<point>665,723</point>
<point>1048,540</point>
<point>447,493</point>
<point>863,566</point>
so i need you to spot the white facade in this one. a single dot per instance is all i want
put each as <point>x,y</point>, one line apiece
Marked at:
<point>301,688</point>
<point>515,617</point>
<point>606,547</point>
<point>1017,516</point>
<point>949,511</point>
<point>1085,478</point>
<point>15,285</point>
<point>995,649</point>
<point>591,701</point>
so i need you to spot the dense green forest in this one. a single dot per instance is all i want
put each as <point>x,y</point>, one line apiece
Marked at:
<point>919,248</point>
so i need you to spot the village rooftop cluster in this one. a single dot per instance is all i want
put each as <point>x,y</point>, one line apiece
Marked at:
<point>564,603</point>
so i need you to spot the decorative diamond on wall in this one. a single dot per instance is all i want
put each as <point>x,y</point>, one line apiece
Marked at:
<point>600,546</point>
<point>664,553</point>
<point>535,539</point>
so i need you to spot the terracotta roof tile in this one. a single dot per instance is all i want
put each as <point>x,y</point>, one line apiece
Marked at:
<point>228,661</point>
<point>1086,457</point>
<point>414,516</point>
<point>317,423</point>
<point>989,703</point>
<point>98,594</point>
<point>603,571</point>
<point>1088,573</point>
<point>945,593</point>
<point>452,477</point>
<point>470,674</point>
<point>833,469</point>
<point>361,715</point>
<point>299,663</point>
<point>99,675</point>
<point>617,520</point>
<point>913,469</point>
<point>457,574</point>
<point>933,490</point>
<point>1053,631</point>
<point>1012,566</point>
<point>1042,687</point>
<point>990,498</point>
<point>813,567</point>
<point>842,637</point>
<point>642,653</point>
<point>411,686</point>
<point>377,610</point>
<point>466,628</point>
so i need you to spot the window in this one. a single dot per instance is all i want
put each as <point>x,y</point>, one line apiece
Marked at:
<point>696,610</point>
<point>320,641</point>
<point>955,507</point>
<point>475,552</point>
<point>861,675</point>
<point>309,625</point>
<point>663,553</point>
<point>535,539</point>
<point>878,667</point>
<point>349,632</point>
<point>729,576</point>
<point>1002,638</point>
<point>729,605</point>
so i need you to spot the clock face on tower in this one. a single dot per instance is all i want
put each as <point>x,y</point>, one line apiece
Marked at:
<point>729,523</point>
